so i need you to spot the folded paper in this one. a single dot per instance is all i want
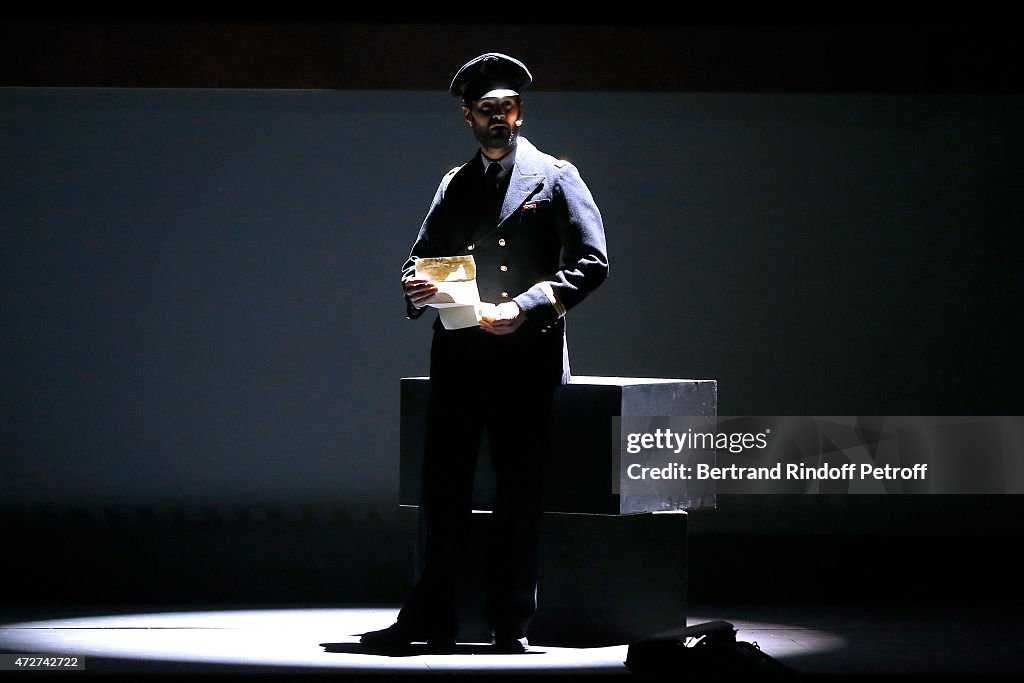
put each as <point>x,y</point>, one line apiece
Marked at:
<point>457,298</point>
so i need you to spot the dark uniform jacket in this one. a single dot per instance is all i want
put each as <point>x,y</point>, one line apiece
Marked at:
<point>544,248</point>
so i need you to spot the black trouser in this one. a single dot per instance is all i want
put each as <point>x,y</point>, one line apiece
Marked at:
<point>493,384</point>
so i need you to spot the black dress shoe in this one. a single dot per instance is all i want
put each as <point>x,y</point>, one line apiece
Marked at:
<point>393,637</point>
<point>399,637</point>
<point>511,645</point>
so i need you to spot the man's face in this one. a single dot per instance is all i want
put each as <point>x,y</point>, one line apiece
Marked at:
<point>495,120</point>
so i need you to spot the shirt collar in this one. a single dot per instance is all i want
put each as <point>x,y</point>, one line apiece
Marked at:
<point>507,162</point>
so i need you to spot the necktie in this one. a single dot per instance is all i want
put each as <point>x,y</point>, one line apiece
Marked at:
<point>492,173</point>
<point>492,185</point>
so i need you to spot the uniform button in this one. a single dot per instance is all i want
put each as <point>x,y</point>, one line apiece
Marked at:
<point>470,247</point>
<point>501,242</point>
<point>504,295</point>
<point>503,268</point>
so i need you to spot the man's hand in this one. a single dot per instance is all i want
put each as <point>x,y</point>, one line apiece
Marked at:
<point>419,291</point>
<point>505,319</point>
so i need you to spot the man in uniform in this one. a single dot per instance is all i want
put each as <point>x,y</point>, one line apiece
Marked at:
<point>538,242</point>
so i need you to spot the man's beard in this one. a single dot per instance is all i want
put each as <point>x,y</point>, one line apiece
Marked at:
<point>498,138</point>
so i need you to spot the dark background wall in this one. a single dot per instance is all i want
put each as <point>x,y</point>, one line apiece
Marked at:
<point>202,225</point>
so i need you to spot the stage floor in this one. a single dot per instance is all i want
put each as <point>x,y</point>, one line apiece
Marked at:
<point>816,640</point>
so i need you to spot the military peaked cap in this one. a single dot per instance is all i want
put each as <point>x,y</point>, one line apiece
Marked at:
<point>490,75</point>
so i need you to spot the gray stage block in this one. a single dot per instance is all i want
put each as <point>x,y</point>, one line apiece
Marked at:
<point>604,580</point>
<point>581,471</point>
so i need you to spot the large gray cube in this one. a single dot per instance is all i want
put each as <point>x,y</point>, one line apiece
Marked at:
<point>581,472</point>
<point>603,579</point>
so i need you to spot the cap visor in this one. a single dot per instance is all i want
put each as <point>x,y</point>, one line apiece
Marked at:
<point>499,92</point>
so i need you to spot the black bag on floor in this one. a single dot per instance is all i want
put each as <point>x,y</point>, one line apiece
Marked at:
<point>710,648</point>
